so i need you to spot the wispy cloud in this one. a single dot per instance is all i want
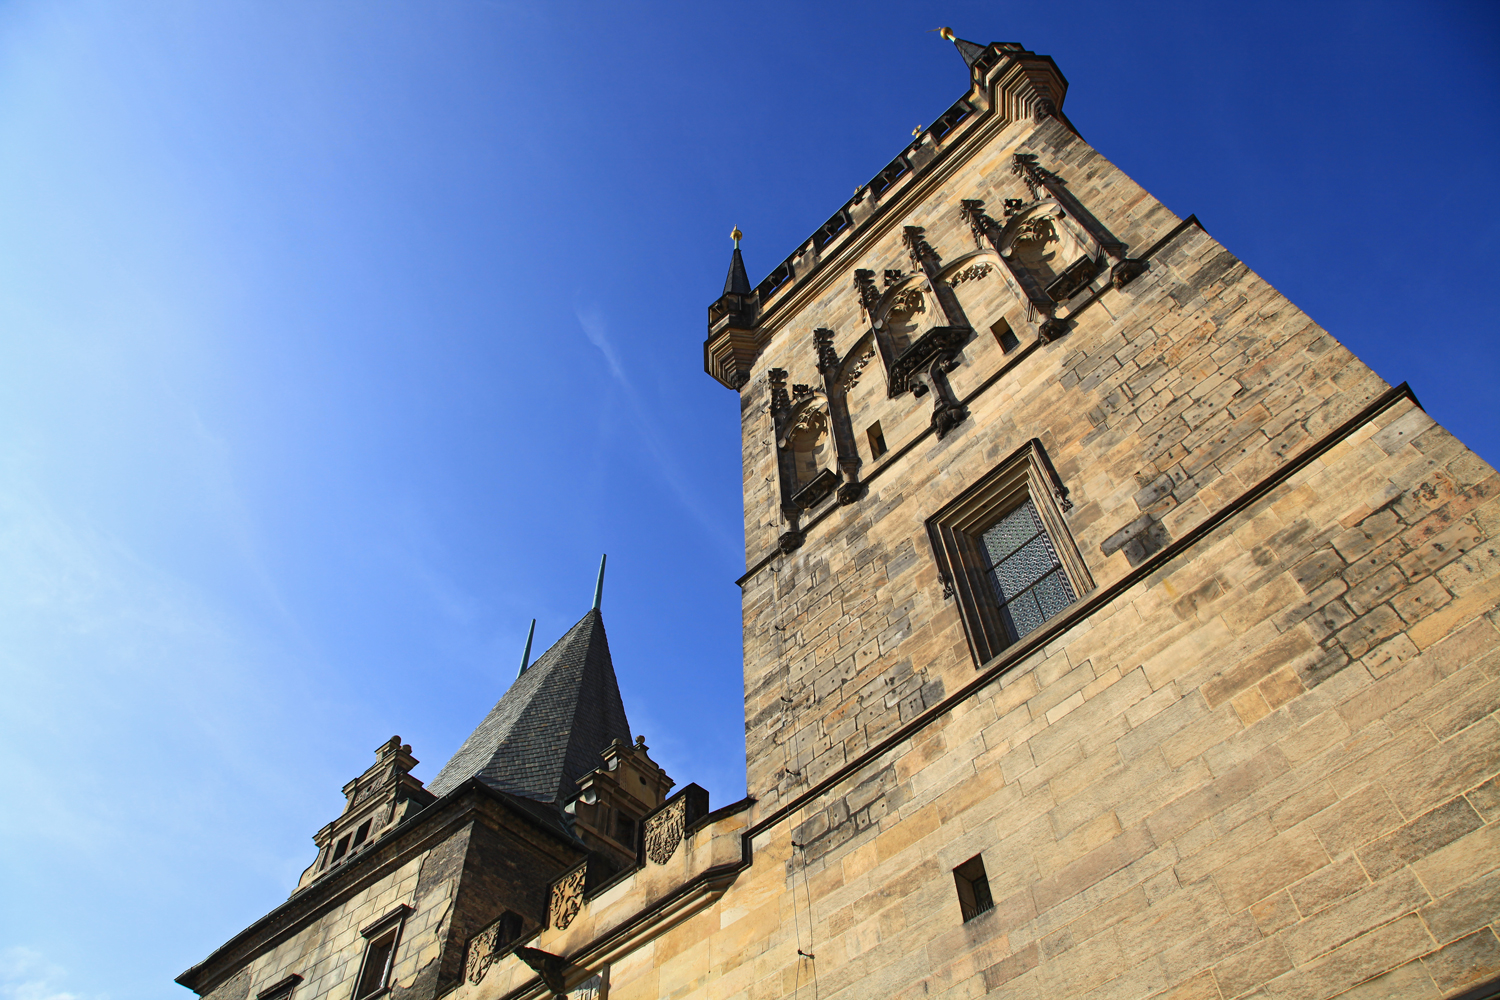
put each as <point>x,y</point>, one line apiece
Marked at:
<point>26,975</point>
<point>596,329</point>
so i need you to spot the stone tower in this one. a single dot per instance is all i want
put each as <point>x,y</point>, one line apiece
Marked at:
<point>1110,631</point>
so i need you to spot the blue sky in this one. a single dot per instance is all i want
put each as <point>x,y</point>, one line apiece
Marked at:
<point>337,340</point>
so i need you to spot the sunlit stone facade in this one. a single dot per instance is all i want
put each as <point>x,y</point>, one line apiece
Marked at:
<point>1110,630</point>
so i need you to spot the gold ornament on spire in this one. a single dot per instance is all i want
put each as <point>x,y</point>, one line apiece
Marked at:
<point>736,235</point>
<point>946,34</point>
<point>917,131</point>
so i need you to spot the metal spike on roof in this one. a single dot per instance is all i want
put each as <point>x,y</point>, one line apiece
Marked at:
<point>599,586</point>
<point>526,653</point>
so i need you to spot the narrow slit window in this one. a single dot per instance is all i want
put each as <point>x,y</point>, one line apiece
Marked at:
<point>1005,336</point>
<point>973,888</point>
<point>877,441</point>
<point>341,848</point>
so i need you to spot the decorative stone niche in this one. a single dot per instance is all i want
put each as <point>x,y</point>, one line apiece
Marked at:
<point>805,450</point>
<point>809,441</point>
<point>1043,241</point>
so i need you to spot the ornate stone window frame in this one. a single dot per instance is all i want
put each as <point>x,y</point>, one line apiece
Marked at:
<point>955,533</point>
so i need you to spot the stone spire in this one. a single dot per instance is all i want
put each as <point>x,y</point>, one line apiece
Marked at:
<point>550,727</point>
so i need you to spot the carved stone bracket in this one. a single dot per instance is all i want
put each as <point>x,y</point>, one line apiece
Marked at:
<point>664,830</point>
<point>947,411</point>
<point>567,897</point>
<point>790,541</point>
<point>852,492</point>
<point>1127,271</point>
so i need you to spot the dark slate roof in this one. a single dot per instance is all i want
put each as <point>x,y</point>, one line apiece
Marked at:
<point>738,282</point>
<point>550,727</point>
<point>971,51</point>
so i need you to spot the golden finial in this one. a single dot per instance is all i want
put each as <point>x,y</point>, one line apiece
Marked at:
<point>736,235</point>
<point>916,131</point>
<point>946,34</point>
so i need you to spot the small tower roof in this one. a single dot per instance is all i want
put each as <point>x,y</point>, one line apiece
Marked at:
<point>548,730</point>
<point>738,282</point>
<point>971,51</point>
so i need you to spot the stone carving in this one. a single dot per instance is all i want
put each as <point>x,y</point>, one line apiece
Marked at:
<point>864,284</point>
<point>816,491</point>
<point>917,247</point>
<point>1073,280</point>
<point>1013,206</point>
<point>1127,271</point>
<point>852,493</point>
<point>567,897</point>
<point>801,392</point>
<point>1024,166</point>
<point>909,300</point>
<point>779,399</point>
<point>664,829</point>
<point>481,953</point>
<point>591,988</point>
<point>856,368</point>
<point>789,542</point>
<point>893,276</point>
<point>1036,230</point>
<point>812,420</point>
<point>940,341</point>
<point>971,211</point>
<point>971,273</point>
<point>828,358</point>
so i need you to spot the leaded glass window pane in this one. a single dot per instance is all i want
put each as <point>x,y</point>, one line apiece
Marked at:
<point>1029,583</point>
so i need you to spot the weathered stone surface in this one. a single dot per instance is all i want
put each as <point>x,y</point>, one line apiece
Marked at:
<point>1257,756</point>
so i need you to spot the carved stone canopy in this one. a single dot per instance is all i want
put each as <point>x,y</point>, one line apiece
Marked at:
<point>939,341</point>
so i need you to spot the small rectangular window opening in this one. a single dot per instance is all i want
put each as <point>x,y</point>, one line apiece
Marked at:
<point>376,970</point>
<point>361,833</point>
<point>973,888</point>
<point>341,848</point>
<point>877,441</point>
<point>625,829</point>
<point>1004,336</point>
